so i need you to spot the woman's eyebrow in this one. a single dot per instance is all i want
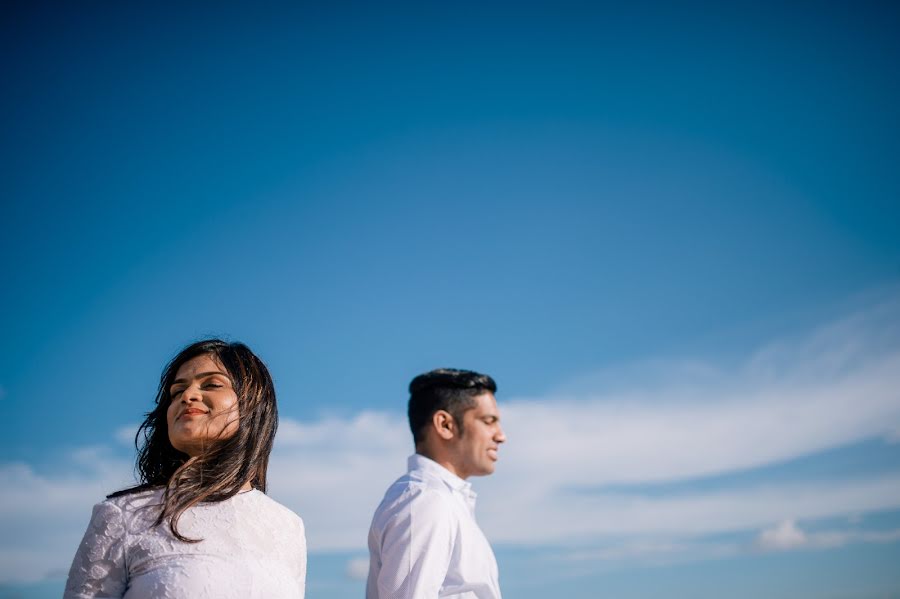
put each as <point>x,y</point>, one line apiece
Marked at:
<point>199,376</point>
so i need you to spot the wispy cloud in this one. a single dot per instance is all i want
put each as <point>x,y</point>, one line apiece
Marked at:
<point>787,535</point>
<point>615,552</point>
<point>357,568</point>
<point>125,434</point>
<point>42,516</point>
<point>836,386</point>
<point>334,472</point>
<point>579,462</point>
<point>567,455</point>
<point>566,519</point>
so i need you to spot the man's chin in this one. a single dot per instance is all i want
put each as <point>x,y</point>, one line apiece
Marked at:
<point>488,469</point>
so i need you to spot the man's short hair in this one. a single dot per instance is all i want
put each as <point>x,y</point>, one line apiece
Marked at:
<point>447,389</point>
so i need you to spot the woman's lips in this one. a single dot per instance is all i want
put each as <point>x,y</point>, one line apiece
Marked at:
<point>192,412</point>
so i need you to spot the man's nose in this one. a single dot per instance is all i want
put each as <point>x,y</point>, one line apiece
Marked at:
<point>500,437</point>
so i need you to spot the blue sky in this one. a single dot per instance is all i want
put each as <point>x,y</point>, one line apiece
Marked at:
<point>670,234</point>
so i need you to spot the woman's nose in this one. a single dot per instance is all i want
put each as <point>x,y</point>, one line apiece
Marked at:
<point>192,393</point>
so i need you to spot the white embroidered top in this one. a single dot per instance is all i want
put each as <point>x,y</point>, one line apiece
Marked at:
<point>424,541</point>
<point>251,546</point>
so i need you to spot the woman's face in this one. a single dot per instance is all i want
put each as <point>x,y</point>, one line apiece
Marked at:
<point>203,406</point>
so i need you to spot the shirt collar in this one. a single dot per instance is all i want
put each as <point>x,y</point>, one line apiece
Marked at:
<point>419,462</point>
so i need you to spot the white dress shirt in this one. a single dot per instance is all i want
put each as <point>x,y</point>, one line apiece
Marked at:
<point>424,542</point>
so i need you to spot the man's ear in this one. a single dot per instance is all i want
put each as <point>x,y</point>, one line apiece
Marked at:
<point>444,425</point>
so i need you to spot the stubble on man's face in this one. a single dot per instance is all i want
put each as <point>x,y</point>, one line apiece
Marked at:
<point>477,447</point>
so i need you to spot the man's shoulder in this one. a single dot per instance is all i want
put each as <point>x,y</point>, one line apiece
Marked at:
<point>415,486</point>
<point>412,491</point>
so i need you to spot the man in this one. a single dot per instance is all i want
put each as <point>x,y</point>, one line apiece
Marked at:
<point>424,542</point>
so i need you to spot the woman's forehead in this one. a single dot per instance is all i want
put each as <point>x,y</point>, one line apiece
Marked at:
<point>202,364</point>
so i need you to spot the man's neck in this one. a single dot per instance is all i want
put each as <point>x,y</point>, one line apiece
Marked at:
<point>441,460</point>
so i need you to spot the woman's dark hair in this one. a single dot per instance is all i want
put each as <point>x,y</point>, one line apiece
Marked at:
<point>446,389</point>
<point>228,463</point>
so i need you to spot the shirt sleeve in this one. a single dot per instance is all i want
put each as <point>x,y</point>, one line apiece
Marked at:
<point>98,570</point>
<point>301,574</point>
<point>416,548</point>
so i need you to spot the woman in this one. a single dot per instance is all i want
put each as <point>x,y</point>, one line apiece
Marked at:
<point>199,525</point>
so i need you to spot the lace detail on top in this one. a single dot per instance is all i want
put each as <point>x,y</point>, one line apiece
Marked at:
<point>252,547</point>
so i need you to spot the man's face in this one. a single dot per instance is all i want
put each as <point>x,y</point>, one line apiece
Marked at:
<point>475,450</point>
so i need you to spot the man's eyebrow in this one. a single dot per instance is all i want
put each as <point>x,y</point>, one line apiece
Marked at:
<point>200,376</point>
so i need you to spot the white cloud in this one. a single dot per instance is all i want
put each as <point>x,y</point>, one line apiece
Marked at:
<point>334,472</point>
<point>893,435</point>
<point>560,479</point>
<point>357,568</point>
<point>786,401</point>
<point>44,516</point>
<point>576,517</point>
<point>785,535</point>
<point>125,434</point>
<point>628,550</point>
<point>647,551</point>
<point>839,385</point>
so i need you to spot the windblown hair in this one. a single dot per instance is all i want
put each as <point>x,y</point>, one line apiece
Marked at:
<point>446,389</point>
<point>227,464</point>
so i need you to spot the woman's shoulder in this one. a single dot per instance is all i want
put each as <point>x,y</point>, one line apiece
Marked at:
<point>114,518</point>
<point>129,501</point>
<point>273,509</point>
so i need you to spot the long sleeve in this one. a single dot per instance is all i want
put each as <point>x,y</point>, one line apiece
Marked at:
<point>98,570</point>
<point>416,548</point>
<point>301,577</point>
